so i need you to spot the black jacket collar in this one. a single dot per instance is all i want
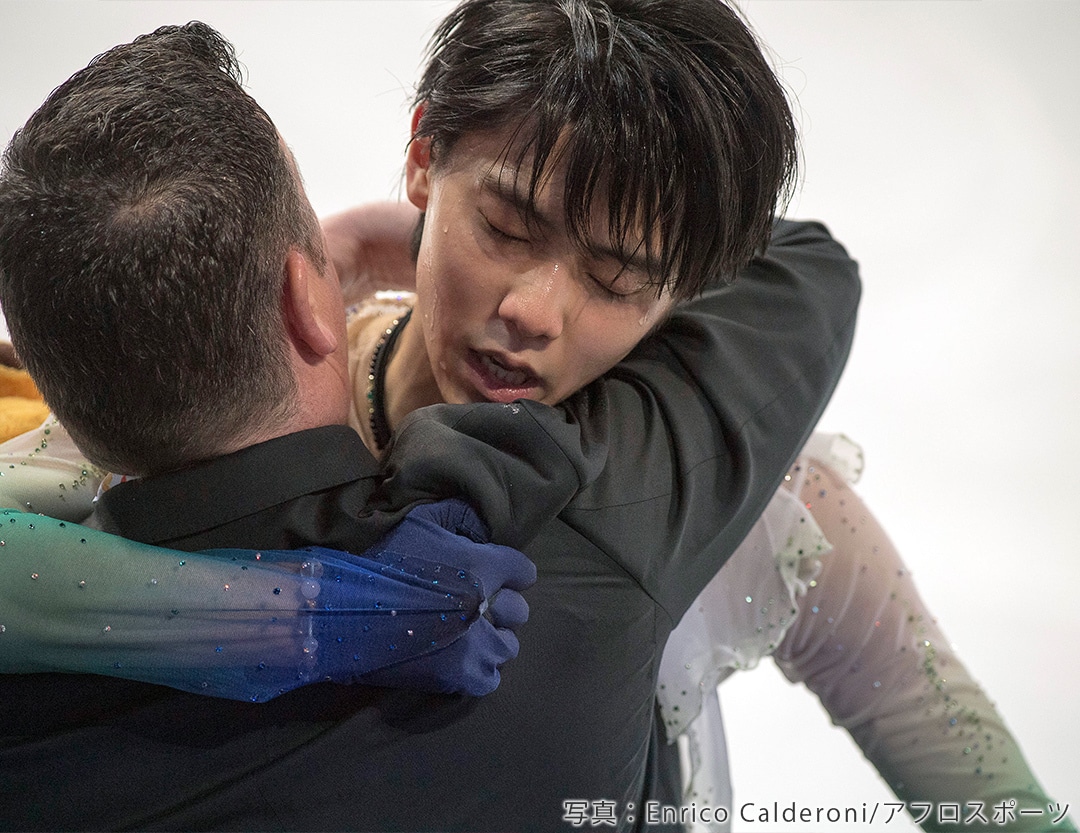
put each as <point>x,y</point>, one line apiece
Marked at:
<point>215,492</point>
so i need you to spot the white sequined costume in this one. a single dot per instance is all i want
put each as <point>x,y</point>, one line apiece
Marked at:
<point>847,621</point>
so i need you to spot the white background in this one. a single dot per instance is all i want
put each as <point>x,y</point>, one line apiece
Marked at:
<point>941,146</point>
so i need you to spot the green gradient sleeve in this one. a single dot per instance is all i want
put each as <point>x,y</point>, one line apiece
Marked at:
<point>229,623</point>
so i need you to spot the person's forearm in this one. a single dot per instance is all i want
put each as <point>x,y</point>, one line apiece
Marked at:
<point>80,600</point>
<point>250,625</point>
<point>693,431</point>
<point>704,418</point>
<point>519,465</point>
<point>370,247</point>
<point>865,643</point>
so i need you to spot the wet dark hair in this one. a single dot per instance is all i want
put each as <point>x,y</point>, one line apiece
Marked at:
<point>146,210</point>
<point>665,107</point>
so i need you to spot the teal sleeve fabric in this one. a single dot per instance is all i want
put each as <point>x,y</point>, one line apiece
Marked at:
<point>671,455</point>
<point>241,624</point>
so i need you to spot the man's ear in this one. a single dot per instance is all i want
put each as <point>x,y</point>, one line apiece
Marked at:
<point>306,311</point>
<point>418,165</point>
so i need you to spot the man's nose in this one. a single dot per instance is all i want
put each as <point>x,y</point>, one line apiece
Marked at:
<point>539,301</point>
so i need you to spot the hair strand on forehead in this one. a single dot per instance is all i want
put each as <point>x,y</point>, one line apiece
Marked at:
<point>665,110</point>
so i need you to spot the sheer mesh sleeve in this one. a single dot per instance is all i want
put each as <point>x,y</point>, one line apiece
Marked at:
<point>44,471</point>
<point>229,623</point>
<point>866,645</point>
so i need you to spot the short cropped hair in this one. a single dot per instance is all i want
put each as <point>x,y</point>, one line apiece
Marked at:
<point>666,107</point>
<point>146,212</point>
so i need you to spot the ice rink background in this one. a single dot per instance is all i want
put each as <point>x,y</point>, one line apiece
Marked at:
<point>940,145</point>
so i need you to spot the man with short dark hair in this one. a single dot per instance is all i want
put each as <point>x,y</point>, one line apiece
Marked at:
<point>147,154</point>
<point>575,719</point>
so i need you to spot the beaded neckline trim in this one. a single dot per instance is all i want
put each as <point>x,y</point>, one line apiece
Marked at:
<point>376,389</point>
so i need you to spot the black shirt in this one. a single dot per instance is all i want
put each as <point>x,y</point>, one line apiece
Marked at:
<point>677,452</point>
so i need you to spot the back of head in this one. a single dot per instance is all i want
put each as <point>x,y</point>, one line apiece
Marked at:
<point>146,210</point>
<point>665,108</point>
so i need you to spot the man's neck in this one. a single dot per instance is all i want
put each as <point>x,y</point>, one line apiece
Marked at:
<point>410,383</point>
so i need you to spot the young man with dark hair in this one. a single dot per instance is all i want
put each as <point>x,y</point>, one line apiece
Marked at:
<point>667,117</point>
<point>698,426</point>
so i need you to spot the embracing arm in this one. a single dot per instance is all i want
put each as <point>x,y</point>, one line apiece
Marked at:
<point>370,247</point>
<point>250,625</point>
<point>703,419</point>
<point>700,421</point>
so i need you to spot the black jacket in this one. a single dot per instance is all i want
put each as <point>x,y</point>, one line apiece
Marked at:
<point>656,472</point>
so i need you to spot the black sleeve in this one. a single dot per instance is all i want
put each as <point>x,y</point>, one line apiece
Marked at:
<point>703,419</point>
<point>518,465</point>
<point>666,461</point>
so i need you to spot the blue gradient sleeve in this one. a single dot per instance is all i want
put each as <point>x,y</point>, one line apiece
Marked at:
<point>250,625</point>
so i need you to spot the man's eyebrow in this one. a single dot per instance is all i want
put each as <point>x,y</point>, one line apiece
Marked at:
<point>635,262</point>
<point>503,186</point>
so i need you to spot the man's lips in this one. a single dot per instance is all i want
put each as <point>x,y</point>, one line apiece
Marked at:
<point>512,377</point>
<point>500,379</point>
